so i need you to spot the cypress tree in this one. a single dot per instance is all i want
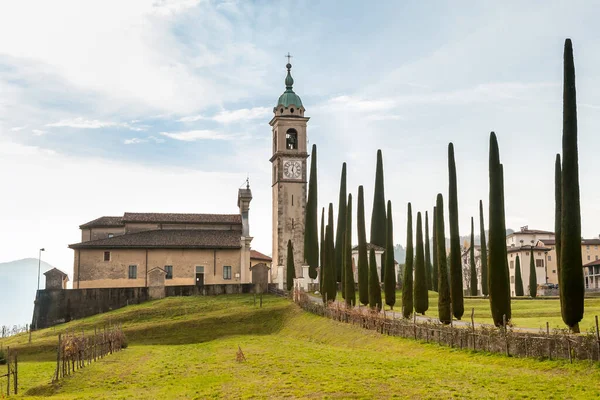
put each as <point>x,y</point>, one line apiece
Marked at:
<point>472,263</point>
<point>456,277</point>
<point>498,278</point>
<point>349,274</point>
<point>420,298</point>
<point>428,266</point>
<point>407,279</point>
<point>329,272</point>
<point>518,278</point>
<point>571,270</point>
<point>434,272</point>
<point>484,263</point>
<point>389,283</point>
<point>378,224</point>
<point>532,276</point>
<point>557,211</point>
<point>444,306</point>
<point>341,229</point>
<point>291,271</point>
<point>311,238</point>
<point>325,267</point>
<point>322,249</point>
<point>363,261</point>
<point>374,286</point>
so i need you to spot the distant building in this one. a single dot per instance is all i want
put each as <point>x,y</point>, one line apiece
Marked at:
<point>590,253</point>
<point>56,279</point>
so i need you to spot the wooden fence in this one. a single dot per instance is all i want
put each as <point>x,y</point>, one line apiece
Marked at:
<point>12,372</point>
<point>7,331</point>
<point>556,344</point>
<point>76,351</point>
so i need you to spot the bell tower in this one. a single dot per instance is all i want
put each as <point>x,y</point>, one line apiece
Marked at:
<point>289,176</point>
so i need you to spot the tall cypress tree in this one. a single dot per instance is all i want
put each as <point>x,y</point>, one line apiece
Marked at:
<point>444,306</point>
<point>325,269</point>
<point>329,279</point>
<point>389,283</point>
<point>498,278</point>
<point>557,211</point>
<point>374,286</point>
<point>571,269</point>
<point>349,285</point>
<point>407,279</point>
<point>532,275</point>
<point>378,222</point>
<point>420,297</point>
<point>311,238</point>
<point>484,258</point>
<point>428,266</point>
<point>290,270</point>
<point>363,261</point>
<point>341,229</point>
<point>472,263</point>
<point>518,278</point>
<point>434,272</point>
<point>322,249</point>
<point>456,277</point>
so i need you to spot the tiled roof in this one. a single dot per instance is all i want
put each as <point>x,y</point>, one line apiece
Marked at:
<point>590,264</point>
<point>171,218</point>
<point>585,242</point>
<point>590,241</point>
<point>371,246</point>
<point>526,248</point>
<point>259,256</point>
<point>103,221</point>
<point>531,232</point>
<point>548,242</point>
<point>54,271</point>
<point>168,239</point>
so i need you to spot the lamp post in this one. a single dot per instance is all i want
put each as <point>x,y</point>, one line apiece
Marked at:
<point>39,267</point>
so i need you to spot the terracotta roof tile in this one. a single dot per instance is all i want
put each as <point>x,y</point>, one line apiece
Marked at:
<point>174,218</point>
<point>103,221</point>
<point>259,256</point>
<point>169,239</point>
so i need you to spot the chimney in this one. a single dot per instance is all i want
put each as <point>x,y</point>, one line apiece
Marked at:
<point>244,198</point>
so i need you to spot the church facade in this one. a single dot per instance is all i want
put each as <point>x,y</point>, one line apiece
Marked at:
<point>190,249</point>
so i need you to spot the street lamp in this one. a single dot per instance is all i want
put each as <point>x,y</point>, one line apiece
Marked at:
<point>39,266</point>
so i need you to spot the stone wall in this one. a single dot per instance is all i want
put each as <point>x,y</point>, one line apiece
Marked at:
<point>57,306</point>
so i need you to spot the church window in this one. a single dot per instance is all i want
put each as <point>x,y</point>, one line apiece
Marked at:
<point>281,110</point>
<point>107,256</point>
<point>292,223</point>
<point>133,272</point>
<point>291,139</point>
<point>227,272</point>
<point>169,271</point>
<point>292,199</point>
<point>292,110</point>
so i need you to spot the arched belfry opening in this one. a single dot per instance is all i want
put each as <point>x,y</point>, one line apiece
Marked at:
<point>291,139</point>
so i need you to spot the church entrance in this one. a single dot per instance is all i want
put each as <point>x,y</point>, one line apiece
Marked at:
<point>199,276</point>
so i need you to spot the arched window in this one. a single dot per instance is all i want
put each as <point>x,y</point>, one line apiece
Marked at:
<point>291,139</point>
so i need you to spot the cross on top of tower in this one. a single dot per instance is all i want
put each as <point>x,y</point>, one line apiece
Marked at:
<point>289,56</point>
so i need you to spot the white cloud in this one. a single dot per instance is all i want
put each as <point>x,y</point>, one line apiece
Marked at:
<point>192,136</point>
<point>83,123</point>
<point>39,132</point>
<point>18,128</point>
<point>232,116</point>
<point>357,104</point>
<point>143,140</point>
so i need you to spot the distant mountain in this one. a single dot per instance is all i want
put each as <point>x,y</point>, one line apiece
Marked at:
<point>18,283</point>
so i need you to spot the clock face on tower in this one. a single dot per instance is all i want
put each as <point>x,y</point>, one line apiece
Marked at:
<point>292,169</point>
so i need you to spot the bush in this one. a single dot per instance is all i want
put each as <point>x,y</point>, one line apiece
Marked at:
<point>124,343</point>
<point>2,358</point>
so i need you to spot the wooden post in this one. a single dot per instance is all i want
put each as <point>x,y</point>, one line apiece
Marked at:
<point>451,332</point>
<point>261,299</point>
<point>598,337</point>
<point>473,325</point>
<point>505,335</point>
<point>8,372</point>
<point>569,349</point>
<point>415,324</point>
<point>58,358</point>
<point>255,299</point>
<point>549,342</point>
<point>16,380</point>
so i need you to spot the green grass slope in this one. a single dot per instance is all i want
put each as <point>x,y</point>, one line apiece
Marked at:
<point>186,348</point>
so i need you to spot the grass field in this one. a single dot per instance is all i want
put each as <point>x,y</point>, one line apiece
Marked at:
<point>186,347</point>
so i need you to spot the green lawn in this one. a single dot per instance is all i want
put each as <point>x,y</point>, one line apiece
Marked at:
<point>186,347</point>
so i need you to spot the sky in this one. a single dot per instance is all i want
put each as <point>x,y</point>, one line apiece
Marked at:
<point>109,107</point>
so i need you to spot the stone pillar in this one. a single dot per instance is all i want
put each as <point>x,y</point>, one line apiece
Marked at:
<point>280,282</point>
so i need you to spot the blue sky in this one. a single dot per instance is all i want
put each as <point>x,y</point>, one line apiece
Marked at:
<point>113,106</point>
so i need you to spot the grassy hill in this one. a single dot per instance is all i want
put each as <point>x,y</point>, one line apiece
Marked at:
<point>186,348</point>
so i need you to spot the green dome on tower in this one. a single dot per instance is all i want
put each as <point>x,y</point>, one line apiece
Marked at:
<point>289,98</point>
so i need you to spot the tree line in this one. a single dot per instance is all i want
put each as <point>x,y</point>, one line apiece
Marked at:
<point>428,266</point>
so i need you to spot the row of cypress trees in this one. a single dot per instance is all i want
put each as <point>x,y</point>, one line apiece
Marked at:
<point>435,273</point>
